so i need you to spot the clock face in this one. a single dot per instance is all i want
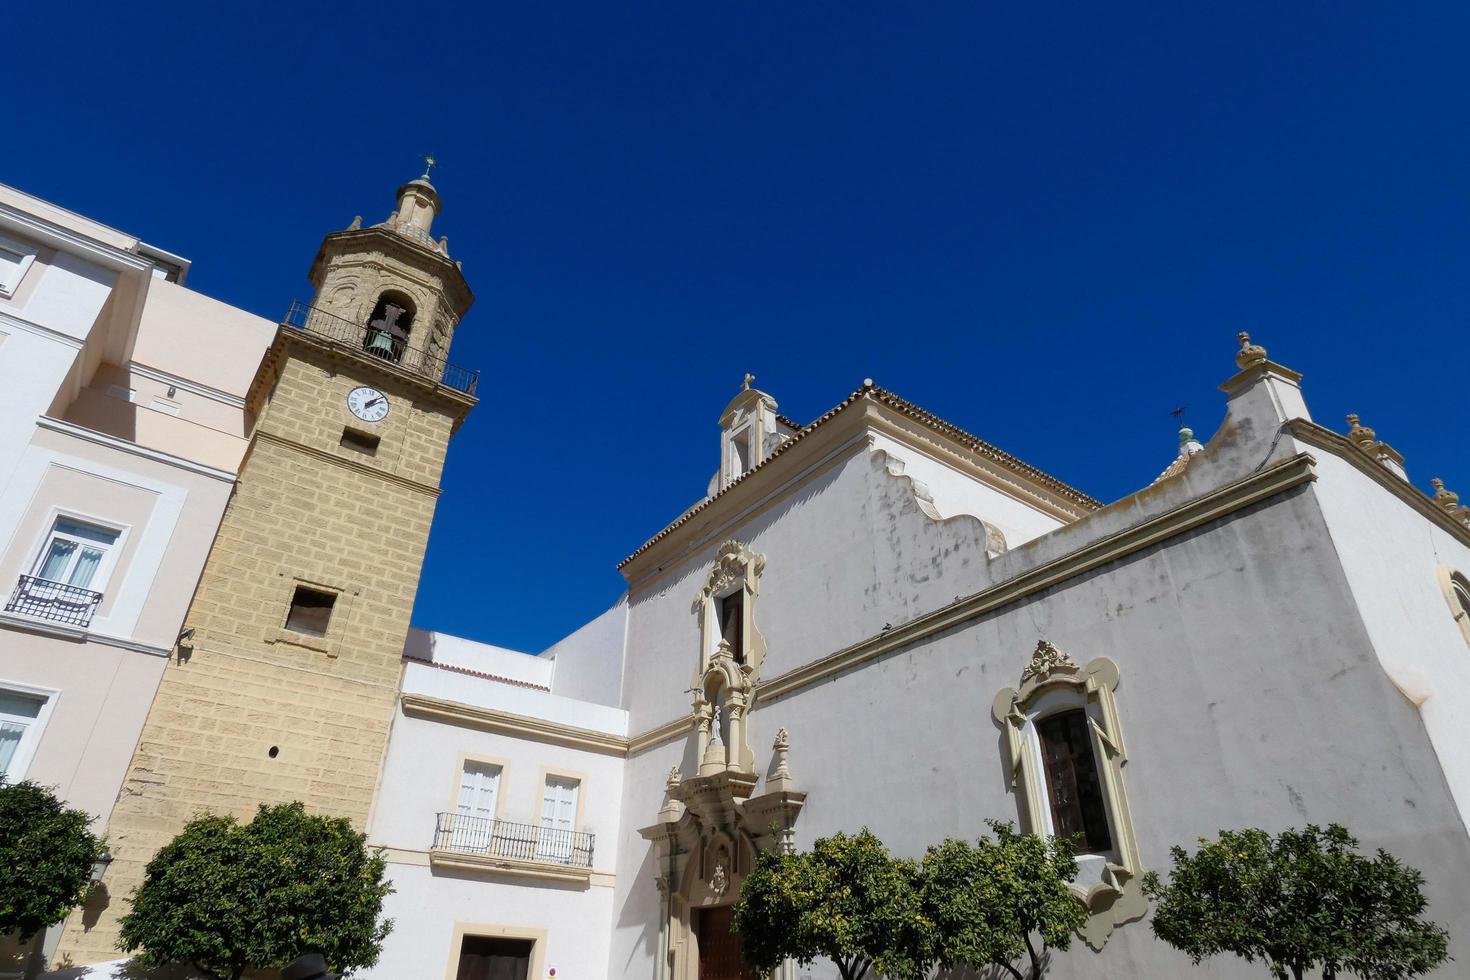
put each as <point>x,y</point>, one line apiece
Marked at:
<point>368,404</point>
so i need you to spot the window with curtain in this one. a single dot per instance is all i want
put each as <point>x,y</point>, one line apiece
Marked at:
<point>75,554</point>
<point>558,819</point>
<point>19,714</point>
<point>1073,787</point>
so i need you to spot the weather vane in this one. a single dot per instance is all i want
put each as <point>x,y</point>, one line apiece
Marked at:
<point>429,164</point>
<point>1178,413</point>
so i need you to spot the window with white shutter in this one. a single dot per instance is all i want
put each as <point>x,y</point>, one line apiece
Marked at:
<point>474,821</point>
<point>558,819</point>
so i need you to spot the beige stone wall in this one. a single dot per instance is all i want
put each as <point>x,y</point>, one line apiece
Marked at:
<point>305,510</point>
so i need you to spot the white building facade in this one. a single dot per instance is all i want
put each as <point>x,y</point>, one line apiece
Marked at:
<point>880,620</point>
<point>122,425</point>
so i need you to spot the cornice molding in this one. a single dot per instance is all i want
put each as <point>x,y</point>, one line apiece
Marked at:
<point>203,390</point>
<point>1344,448</point>
<point>485,864</point>
<point>65,240</point>
<point>508,723</point>
<point>424,388</point>
<point>1261,485</point>
<point>76,634</point>
<point>350,464</point>
<point>948,452</point>
<point>132,448</point>
<point>39,330</point>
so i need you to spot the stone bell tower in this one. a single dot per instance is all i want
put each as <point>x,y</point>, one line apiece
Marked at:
<point>283,685</point>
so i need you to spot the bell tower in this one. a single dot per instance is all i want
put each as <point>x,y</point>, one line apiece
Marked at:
<point>283,685</point>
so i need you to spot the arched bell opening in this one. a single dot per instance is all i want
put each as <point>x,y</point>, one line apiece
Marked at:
<point>390,325</point>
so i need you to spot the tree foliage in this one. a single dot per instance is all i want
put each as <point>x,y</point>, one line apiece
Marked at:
<point>846,900</point>
<point>996,901</point>
<point>46,858</point>
<point>1302,900</point>
<point>226,897</point>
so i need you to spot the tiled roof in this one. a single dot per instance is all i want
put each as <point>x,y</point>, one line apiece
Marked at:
<point>869,390</point>
<point>512,681</point>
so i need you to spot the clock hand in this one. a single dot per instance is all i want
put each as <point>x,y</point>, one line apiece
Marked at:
<point>373,402</point>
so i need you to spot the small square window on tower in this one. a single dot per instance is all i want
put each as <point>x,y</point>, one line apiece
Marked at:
<point>311,611</point>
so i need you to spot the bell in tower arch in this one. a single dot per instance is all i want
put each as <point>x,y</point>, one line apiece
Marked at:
<point>392,291</point>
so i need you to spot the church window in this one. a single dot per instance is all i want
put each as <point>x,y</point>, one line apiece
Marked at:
<point>389,326</point>
<point>1074,792</point>
<point>15,260</point>
<point>742,451</point>
<point>1064,745</point>
<point>311,611</point>
<point>732,622</point>
<point>1457,593</point>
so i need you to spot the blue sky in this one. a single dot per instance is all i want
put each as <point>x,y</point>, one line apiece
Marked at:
<point>1044,225</point>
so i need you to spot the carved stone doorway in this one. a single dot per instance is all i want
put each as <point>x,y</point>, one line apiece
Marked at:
<point>719,946</point>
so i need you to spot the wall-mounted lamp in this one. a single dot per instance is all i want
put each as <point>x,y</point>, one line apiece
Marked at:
<point>99,867</point>
<point>186,634</point>
<point>172,391</point>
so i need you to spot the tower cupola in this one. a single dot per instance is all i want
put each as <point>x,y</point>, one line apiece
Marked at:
<point>392,290</point>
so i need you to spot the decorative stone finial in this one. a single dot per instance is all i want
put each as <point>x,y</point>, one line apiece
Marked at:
<point>749,380</point>
<point>1360,433</point>
<point>672,808</point>
<point>780,779</point>
<point>1249,354</point>
<point>1045,661</point>
<point>1447,499</point>
<point>356,223</point>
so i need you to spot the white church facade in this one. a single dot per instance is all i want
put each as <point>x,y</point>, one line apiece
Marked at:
<point>874,619</point>
<point>879,620</point>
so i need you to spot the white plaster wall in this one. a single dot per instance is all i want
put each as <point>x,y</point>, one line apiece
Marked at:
<point>105,694</point>
<point>437,683</point>
<point>589,663</point>
<point>1250,696</point>
<point>426,906</point>
<point>1391,555</point>
<point>956,492</point>
<point>421,779</point>
<point>441,648</point>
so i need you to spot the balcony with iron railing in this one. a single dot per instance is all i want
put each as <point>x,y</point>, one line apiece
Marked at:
<point>386,346</point>
<point>519,848</point>
<point>40,598</point>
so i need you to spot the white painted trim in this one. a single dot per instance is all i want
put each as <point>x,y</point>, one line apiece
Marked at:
<point>44,332</point>
<point>65,240</point>
<point>132,448</point>
<point>27,253</point>
<point>26,751</point>
<point>126,603</point>
<point>202,390</point>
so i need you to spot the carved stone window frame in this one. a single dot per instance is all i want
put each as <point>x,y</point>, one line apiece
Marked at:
<point>727,676</point>
<point>1452,582</point>
<point>1052,683</point>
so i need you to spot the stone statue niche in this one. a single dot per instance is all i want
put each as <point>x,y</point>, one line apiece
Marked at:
<point>389,327</point>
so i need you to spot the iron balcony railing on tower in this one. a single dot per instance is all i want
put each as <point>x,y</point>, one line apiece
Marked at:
<point>382,344</point>
<point>57,601</point>
<point>514,841</point>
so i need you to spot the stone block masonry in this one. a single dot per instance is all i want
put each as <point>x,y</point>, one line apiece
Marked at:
<point>251,712</point>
